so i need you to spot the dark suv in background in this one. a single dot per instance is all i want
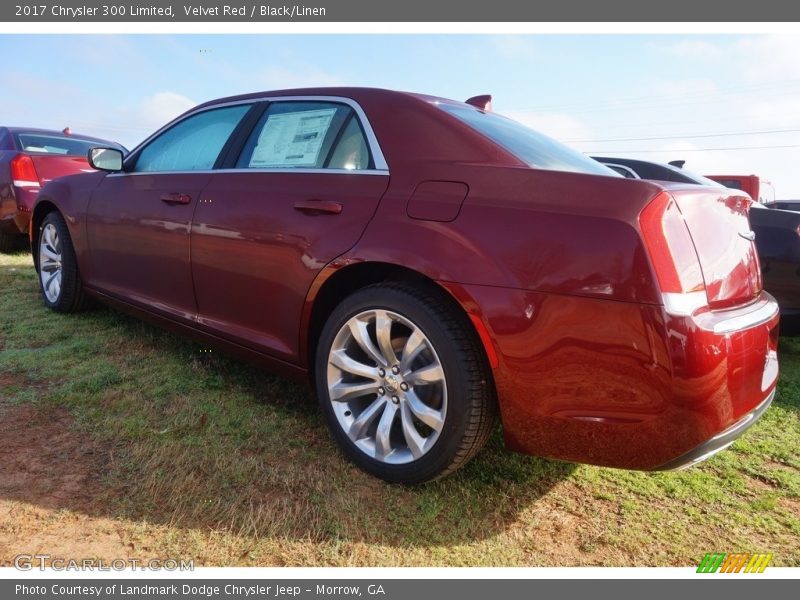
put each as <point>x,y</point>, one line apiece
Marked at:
<point>777,232</point>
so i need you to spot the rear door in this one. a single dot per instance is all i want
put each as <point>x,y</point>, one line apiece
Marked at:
<point>297,192</point>
<point>139,220</point>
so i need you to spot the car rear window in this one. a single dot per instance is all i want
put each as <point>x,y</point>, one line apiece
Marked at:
<point>531,147</point>
<point>47,143</point>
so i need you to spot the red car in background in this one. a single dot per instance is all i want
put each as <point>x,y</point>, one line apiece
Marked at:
<point>758,189</point>
<point>427,263</point>
<point>29,158</point>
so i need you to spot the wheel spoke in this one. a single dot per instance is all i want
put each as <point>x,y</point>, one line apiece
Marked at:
<point>342,361</point>
<point>430,416</point>
<point>383,445</point>
<point>433,373</point>
<point>365,419</point>
<point>345,392</point>
<point>414,345</point>
<point>358,329</point>
<point>50,270</point>
<point>50,280</point>
<point>50,255</point>
<point>383,333</point>
<point>416,443</point>
<point>48,236</point>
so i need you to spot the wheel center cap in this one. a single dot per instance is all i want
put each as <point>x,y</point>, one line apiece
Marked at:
<point>391,383</point>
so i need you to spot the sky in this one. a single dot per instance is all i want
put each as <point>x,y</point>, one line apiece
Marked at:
<point>726,104</point>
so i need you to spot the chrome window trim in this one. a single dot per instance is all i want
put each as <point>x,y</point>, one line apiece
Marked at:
<point>273,170</point>
<point>625,168</point>
<point>381,167</point>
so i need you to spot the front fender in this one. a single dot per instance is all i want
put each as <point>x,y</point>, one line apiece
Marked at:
<point>70,196</point>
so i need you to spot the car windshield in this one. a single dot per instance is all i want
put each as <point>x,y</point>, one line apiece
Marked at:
<point>531,147</point>
<point>48,143</point>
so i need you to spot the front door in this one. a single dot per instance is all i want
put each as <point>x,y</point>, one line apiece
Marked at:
<point>139,220</point>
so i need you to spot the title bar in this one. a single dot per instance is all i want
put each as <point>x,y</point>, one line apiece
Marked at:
<point>459,11</point>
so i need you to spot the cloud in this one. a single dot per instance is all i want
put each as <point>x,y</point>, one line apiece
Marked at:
<point>162,107</point>
<point>768,58</point>
<point>129,125</point>
<point>779,113</point>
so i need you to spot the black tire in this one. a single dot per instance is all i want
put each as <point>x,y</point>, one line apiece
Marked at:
<point>10,242</point>
<point>471,398</point>
<point>71,297</point>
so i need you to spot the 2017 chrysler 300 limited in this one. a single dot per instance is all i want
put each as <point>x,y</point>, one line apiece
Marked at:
<point>427,264</point>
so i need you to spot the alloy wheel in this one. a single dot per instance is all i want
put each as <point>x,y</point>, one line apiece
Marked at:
<point>387,386</point>
<point>50,262</point>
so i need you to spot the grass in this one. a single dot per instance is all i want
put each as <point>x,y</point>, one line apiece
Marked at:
<point>208,458</point>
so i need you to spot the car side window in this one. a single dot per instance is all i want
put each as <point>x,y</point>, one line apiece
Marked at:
<point>306,135</point>
<point>193,144</point>
<point>351,151</point>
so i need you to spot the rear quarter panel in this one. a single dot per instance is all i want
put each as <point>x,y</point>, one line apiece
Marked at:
<point>520,228</point>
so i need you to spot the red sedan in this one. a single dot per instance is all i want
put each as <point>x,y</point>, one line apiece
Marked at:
<point>427,264</point>
<point>29,158</point>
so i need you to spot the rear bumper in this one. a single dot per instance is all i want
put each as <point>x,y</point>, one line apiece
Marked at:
<point>622,384</point>
<point>15,210</point>
<point>720,441</point>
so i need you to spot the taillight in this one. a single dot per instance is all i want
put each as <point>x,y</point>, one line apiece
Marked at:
<point>673,255</point>
<point>23,171</point>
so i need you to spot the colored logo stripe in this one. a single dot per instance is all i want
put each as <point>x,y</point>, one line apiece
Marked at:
<point>734,563</point>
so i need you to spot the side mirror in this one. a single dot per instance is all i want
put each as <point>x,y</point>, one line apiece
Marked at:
<point>105,159</point>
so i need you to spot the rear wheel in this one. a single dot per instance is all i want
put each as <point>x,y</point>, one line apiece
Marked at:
<point>59,278</point>
<point>404,384</point>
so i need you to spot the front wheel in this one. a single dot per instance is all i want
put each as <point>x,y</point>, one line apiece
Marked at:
<point>404,384</point>
<point>59,278</point>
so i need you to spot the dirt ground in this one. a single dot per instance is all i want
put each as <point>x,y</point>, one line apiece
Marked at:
<point>49,485</point>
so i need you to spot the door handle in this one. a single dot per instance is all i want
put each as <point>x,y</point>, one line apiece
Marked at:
<point>176,198</point>
<point>318,207</point>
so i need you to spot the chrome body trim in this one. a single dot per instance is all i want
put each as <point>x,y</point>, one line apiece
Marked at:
<point>273,170</point>
<point>763,313</point>
<point>375,149</point>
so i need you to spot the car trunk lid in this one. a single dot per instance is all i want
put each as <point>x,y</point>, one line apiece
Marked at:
<point>51,166</point>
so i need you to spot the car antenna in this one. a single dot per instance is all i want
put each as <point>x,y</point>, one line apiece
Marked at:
<point>677,163</point>
<point>483,102</point>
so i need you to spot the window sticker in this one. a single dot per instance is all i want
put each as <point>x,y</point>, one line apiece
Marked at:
<point>292,139</point>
